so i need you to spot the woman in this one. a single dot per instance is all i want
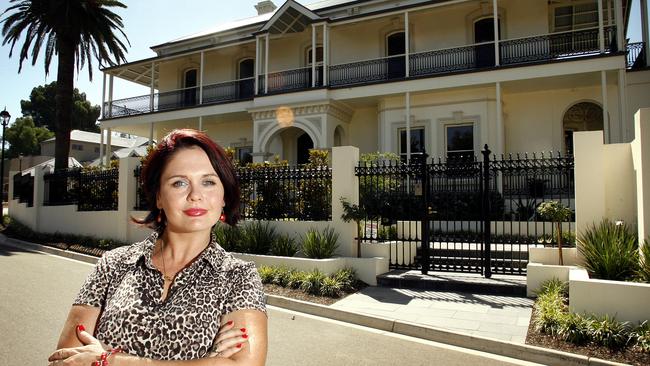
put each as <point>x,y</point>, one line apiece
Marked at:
<point>177,295</point>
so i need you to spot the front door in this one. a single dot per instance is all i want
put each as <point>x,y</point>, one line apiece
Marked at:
<point>395,52</point>
<point>304,145</point>
<point>484,32</point>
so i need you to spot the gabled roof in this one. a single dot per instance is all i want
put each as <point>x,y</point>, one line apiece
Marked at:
<point>93,137</point>
<point>291,17</point>
<point>72,163</point>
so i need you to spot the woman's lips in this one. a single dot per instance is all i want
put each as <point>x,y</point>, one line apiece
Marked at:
<point>195,212</point>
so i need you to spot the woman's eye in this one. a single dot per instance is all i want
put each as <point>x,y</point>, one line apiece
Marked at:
<point>178,183</point>
<point>209,183</point>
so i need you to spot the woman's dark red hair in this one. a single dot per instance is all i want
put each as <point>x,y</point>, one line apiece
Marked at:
<point>158,158</point>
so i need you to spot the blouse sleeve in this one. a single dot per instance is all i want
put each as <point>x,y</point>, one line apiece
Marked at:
<point>93,291</point>
<point>246,291</point>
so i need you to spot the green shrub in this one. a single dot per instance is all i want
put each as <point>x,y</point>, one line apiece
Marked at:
<point>346,277</point>
<point>266,273</point>
<point>296,278</point>
<point>312,282</point>
<point>281,276</point>
<point>576,329</point>
<point>257,238</point>
<point>330,287</point>
<point>641,336</point>
<point>644,267</point>
<point>387,233</point>
<point>284,246</point>
<point>318,245</point>
<point>550,308</point>
<point>610,251</point>
<point>609,332</point>
<point>228,237</point>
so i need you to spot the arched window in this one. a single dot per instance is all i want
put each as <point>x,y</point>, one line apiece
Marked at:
<point>319,55</point>
<point>395,53</point>
<point>484,32</point>
<point>190,91</point>
<point>246,75</point>
<point>583,116</point>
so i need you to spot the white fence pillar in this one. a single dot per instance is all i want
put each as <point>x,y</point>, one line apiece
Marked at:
<point>126,196</point>
<point>39,194</point>
<point>641,157</point>
<point>589,178</point>
<point>344,184</point>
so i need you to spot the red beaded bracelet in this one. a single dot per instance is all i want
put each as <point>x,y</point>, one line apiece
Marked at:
<point>103,358</point>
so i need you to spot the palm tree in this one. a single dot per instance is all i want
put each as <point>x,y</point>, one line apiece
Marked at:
<point>75,31</point>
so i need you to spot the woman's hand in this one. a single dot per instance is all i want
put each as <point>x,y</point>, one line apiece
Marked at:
<point>82,356</point>
<point>229,341</point>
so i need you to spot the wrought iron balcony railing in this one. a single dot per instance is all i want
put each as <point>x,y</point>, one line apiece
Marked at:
<point>541,48</point>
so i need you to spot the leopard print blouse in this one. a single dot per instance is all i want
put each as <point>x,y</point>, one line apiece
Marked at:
<point>127,288</point>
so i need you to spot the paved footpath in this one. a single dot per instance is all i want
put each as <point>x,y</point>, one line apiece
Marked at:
<point>498,317</point>
<point>37,288</point>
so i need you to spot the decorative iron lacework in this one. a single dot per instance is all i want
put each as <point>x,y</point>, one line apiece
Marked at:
<point>441,61</point>
<point>636,55</point>
<point>367,71</point>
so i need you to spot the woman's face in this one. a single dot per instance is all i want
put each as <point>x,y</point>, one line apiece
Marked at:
<point>191,193</point>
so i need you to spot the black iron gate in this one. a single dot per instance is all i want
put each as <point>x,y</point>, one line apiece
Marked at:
<point>474,215</point>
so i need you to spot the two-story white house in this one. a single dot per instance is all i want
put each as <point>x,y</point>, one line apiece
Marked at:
<point>453,75</point>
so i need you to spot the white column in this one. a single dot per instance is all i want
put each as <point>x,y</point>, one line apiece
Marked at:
<point>408,126</point>
<point>151,134</point>
<point>618,14</point>
<point>152,87</point>
<point>110,96</point>
<point>104,96</point>
<point>603,87</point>
<point>201,79</point>
<point>257,64</point>
<point>495,19</point>
<point>313,55</point>
<point>266,65</point>
<point>644,30</point>
<point>500,127</point>
<point>101,146</point>
<point>109,149</point>
<point>200,123</point>
<point>601,30</point>
<point>407,44</point>
<point>622,106</point>
<point>326,53</point>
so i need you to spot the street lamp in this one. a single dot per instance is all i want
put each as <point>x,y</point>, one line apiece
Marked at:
<point>5,121</point>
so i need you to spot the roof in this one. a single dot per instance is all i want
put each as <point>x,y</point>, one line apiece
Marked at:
<point>133,152</point>
<point>93,137</point>
<point>72,163</point>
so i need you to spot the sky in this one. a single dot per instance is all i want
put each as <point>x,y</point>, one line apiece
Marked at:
<point>147,23</point>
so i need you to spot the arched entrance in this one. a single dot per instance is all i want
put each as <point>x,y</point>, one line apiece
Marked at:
<point>583,116</point>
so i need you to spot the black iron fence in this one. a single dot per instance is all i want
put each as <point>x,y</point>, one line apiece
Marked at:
<point>95,190</point>
<point>449,215</point>
<point>141,203</point>
<point>286,193</point>
<point>24,188</point>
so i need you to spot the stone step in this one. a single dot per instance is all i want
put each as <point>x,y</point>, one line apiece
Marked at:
<point>475,283</point>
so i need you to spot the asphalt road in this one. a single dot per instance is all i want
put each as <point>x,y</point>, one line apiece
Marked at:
<point>36,290</point>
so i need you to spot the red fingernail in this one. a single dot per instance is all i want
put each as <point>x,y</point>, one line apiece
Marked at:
<point>229,323</point>
<point>239,345</point>
<point>245,336</point>
<point>243,330</point>
<point>81,327</point>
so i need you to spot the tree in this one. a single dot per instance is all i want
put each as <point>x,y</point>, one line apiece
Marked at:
<point>42,107</point>
<point>25,138</point>
<point>75,31</point>
<point>557,213</point>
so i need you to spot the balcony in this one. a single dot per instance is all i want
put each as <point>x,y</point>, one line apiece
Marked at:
<point>481,56</point>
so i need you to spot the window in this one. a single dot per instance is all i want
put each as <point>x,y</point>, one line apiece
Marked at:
<point>576,16</point>
<point>77,147</point>
<point>245,155</point>
<point>460,142</point>
<point>319,55</point>
<point>417,142</point>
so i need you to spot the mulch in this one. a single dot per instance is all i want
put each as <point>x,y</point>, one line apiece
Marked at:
<point>630,356</point>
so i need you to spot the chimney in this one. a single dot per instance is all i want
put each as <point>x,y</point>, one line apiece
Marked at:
<point>265,7</point>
